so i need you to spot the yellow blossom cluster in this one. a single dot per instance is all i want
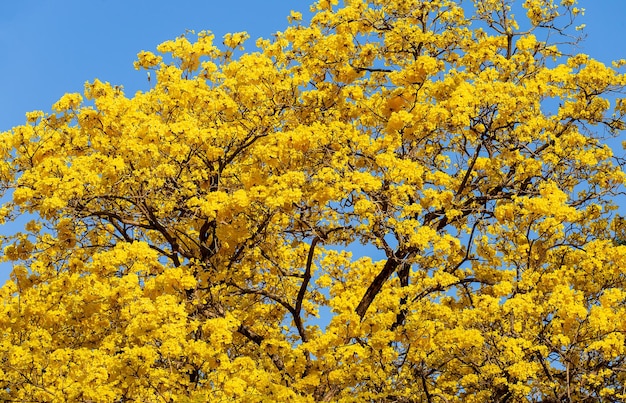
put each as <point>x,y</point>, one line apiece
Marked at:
<point>383,202</point>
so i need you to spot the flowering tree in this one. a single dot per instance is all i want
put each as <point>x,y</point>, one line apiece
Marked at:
<point>193,242</point>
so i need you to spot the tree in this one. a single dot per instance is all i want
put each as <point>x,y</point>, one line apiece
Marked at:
<point>198,241</point>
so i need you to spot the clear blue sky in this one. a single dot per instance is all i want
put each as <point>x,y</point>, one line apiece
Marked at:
<point>48,48</point>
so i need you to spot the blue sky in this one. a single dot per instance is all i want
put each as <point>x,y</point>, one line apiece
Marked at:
<point>48,48</point>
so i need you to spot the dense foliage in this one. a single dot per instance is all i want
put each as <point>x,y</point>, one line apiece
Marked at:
<point>398,200</point>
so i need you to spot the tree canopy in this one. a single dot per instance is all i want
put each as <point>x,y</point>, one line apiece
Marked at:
<point>398,200</point>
